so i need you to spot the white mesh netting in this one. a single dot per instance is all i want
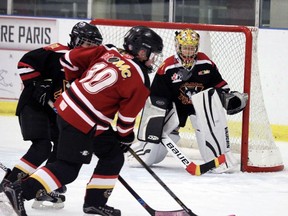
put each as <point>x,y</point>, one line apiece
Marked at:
<point>227,49</point>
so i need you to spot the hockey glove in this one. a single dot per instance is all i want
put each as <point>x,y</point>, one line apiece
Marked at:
<point>234,101</point>
<point>42,91</point>
<point>126,142</point>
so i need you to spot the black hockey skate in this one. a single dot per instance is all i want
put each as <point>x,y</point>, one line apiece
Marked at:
<point>53,200</point>
<point>101,210</point>
<point>14,194</point>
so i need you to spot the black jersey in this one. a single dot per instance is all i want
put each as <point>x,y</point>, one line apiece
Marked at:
<point>173,80</point>
<point>40,64</point>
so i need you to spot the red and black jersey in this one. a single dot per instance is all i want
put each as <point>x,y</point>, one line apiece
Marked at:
<point>106,83</point>
<point>40,64</point>
<point>173,80</point>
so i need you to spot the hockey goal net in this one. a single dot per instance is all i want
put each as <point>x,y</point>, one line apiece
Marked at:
<point>234,50</point>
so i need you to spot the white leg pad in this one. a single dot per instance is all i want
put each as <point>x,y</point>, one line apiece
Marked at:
<point>210,124</point>
<point>152,153</point>
<point>230,166</point>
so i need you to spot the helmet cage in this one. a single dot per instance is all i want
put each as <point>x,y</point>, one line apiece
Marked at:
<point>79,41</point>
<point>84,32</point>
<point>186,45</point>
<point>142,38</point>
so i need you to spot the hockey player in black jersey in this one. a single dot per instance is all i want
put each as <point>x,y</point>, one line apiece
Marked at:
<point>108,82</point>
<point>44,80</point>
<point>192,83</point>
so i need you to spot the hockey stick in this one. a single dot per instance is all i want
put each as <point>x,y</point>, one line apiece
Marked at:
<point>191,167</point>
<point>151,211</point>
<point>185,212</point>
<point>4,168</point>
<point>51,104</point>
<point>185,208</point>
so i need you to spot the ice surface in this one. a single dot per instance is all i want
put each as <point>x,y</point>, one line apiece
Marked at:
<point>242,194</point>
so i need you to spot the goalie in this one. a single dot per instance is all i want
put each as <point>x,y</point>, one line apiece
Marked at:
<point>191,86</point>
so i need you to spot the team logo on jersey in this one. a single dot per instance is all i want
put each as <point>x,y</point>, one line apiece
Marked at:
<point>55,46</point>
<point>123,67</point>
<point>203,72</point>
<point>113,59</point>
<point>61,90</point>
<point>120,64</point>
<point>189,88</point>
<point>85,153</point>
<point>176,77</point>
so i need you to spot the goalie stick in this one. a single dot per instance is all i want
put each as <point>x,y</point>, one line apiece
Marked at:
<point>150,210</point>
<point>191,167</point>
<point>185,208</point>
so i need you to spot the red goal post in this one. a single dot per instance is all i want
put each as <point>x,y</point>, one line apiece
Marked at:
<point>234,50</point>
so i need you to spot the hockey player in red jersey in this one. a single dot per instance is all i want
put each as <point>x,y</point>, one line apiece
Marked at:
<point>107,81</point>
<point>43,79</point>
<point>192,83</point>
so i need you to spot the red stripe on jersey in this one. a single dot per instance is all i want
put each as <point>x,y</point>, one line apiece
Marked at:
<point>105,176</point>
<point>27,162</point>
<point>72,117</point>
<point>168,62</point>
<point>22,64</point>
<point>52,176</point>
<point>125,125</point>
<point>29,76</point>
<point>221,84</point>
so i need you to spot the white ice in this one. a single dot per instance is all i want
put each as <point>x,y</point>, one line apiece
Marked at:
<point>241,194</point>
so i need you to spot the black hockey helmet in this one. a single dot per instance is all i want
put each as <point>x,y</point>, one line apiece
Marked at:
<point>85,32</point>
<point>142,37</point>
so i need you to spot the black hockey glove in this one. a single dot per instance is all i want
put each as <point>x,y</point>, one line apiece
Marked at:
<point>42,91</point>
<point>126,142</point>
<point>233,101</point>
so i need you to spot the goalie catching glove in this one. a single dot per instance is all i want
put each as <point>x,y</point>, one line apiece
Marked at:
<point>126,142</point>
<point>42,91</point>
<point>234,102</point>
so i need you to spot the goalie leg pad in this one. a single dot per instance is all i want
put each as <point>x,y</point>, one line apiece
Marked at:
<point>150,153</point>
<point>210,124</point>
<point>152,119</point>
<point>171,122</point>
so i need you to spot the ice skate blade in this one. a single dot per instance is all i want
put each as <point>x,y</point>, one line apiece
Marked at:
<point>42,205</point>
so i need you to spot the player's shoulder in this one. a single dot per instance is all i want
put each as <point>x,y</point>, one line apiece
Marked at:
<point>171,60</point>
<point>168,63</point>
<point>203,58</point>
<point>56,47</point>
